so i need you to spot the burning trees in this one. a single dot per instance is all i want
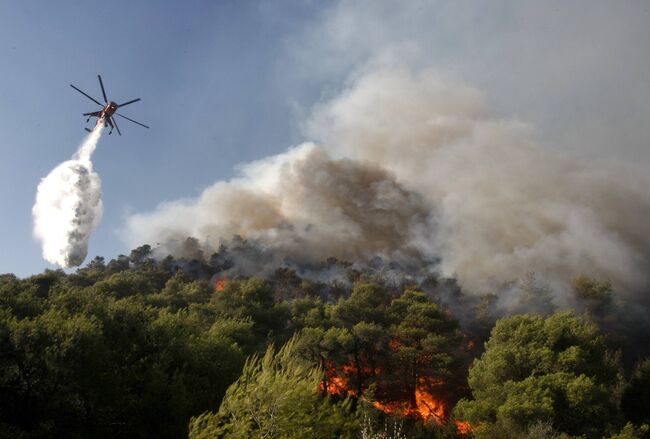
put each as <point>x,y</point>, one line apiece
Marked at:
<point>277,396</point>
<point>397,353</point>
<point>423,341</point>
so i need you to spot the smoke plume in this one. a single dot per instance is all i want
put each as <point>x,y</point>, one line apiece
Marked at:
<point>69,206</point>
<point>411,166</point>
<point>302,204</point>
<point>505,205</point>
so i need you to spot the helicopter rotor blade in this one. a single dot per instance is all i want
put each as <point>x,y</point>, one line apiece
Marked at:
<point>101,84</point>
<point>116,127</point>
<point>131,120</point>
<point>89,97</point>
<point>127,103</point>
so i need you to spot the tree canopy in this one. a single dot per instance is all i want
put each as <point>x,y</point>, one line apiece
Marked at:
<point>277,395</point>
<point>138,347</point>
<point>557,370</point>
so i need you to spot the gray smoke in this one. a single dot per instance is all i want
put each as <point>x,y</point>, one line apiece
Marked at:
<point>301,204</point>
<point>413,166</point>
<point>69,206</point>
<point>505,206</point>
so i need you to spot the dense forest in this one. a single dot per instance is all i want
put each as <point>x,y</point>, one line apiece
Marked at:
<point>143,347</point>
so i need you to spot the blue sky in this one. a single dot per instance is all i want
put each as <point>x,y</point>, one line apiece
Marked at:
<point>205,71</point>
<point>226,82</point>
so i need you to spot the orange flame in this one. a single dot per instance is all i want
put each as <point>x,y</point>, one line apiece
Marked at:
<point>463,427</point>
<point>427,407</point>
<point>220,284</point>
<point>338,386</point>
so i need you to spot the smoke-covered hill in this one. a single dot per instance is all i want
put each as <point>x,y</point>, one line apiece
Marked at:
<point>418,170</point>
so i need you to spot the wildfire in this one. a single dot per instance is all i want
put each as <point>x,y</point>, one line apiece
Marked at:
<point>463,427</point>
<point>220,284</point>
<point>427,407</point>
<point>338,386</point>
<point>338,383</point>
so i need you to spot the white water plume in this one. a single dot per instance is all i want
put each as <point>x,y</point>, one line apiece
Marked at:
<point>69,206</point>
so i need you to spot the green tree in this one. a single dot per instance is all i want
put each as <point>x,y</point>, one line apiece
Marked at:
<point>423,345</point>
<point>254,298</point>
<point>309,312</point>
<point>555,370</point>
<point>84,363</point>
<point>179,291</point>
<point>361,337</point>
<point>277,397</point>
<point>367,303</point>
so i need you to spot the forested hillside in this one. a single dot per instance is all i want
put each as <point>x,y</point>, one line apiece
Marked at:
<point>139,347</point>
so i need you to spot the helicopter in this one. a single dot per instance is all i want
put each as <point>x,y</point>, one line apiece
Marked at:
<point>108,111</point>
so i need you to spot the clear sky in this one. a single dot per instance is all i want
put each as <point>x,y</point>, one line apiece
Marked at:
<point>226,82</point>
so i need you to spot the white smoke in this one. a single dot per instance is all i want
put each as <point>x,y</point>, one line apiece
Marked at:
<point>69,206</point>
<point>505,205</point>
<point>413,162</point>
